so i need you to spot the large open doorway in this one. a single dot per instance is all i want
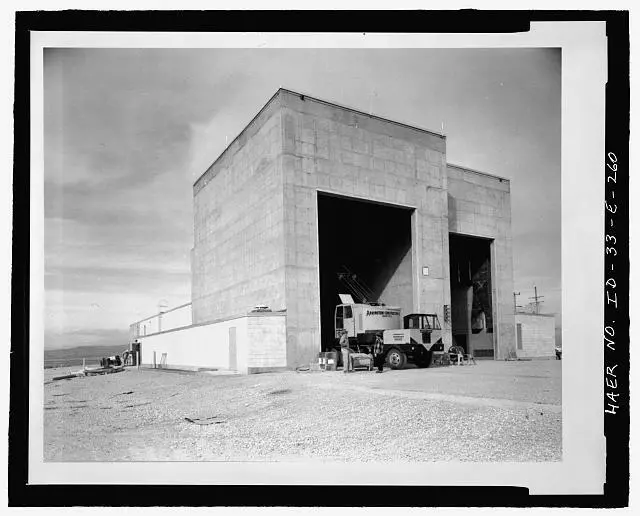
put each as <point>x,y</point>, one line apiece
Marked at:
<point>471,294</point>
<point>365,251</point>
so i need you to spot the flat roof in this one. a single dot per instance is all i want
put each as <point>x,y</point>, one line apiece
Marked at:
<point>321,101</point>
<point>467,169</point>
<point>357,111</point>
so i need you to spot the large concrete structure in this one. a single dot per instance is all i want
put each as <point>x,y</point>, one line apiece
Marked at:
<point>310,190</point>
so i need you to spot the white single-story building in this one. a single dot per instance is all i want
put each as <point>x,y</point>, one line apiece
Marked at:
<point>535,335</point>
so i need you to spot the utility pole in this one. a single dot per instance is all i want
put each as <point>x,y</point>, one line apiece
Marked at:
<point>515,305</point>
<point>535,298</point>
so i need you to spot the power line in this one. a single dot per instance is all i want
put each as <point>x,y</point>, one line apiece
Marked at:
<point>535,298</point>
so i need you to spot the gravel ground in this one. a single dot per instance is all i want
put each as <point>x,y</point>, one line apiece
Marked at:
<point>488,412</point>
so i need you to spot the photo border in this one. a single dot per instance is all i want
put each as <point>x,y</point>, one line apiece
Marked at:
<point>583,218</point>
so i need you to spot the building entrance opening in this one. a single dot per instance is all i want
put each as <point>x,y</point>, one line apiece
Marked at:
<point>365,251</point>
<point>471,294</point>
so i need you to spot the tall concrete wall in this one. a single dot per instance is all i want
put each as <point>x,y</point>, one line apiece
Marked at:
<point>480,205</point>
<point>238,254</point>
<point>337,150</point>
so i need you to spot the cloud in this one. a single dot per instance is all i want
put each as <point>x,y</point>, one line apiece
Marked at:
<point>69,310</point>
<point>118,123</point>
<point>537,262</point>
<point>116,279</point>
<point>74,243</point>
<point>98,337</point>
<point>536,254</point>
<point>128,131</point>
<point>106,276</point>
<point>118,191</point>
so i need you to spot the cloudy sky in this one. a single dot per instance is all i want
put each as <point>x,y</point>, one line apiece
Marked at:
<point>128,131</point>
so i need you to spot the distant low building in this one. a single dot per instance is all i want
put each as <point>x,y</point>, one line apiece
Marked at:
<point>535,335</point>
<point>178,317</point>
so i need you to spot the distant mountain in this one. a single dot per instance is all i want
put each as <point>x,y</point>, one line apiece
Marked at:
<point>72,357</point>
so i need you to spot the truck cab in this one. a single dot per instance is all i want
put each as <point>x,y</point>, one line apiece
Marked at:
<point>422,321</point>
<point>420,336</point>
<point>429,328</point>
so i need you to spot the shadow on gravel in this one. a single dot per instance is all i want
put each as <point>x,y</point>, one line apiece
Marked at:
<point>280,391</point>
<point>203,421</point>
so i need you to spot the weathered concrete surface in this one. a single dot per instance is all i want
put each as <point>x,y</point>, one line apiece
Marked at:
<point>238,255</point>
<point>256,227</point>
<point>480,205</point>
<point>332,149</point>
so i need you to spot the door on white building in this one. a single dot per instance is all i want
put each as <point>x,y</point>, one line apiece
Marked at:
<point>233,351</point>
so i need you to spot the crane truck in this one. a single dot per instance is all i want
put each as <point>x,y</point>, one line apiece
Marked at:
<point>411,338</point>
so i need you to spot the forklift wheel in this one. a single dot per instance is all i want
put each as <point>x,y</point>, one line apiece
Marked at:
<point>396,359</point>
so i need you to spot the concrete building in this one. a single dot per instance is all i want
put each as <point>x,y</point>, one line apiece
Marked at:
<point>535,335</point>
<point>310,190</point>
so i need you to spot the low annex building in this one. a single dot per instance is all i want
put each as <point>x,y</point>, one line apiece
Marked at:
<point>311,191</point>
<point>535,335</point>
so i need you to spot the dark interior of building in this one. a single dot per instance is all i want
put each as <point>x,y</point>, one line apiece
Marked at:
<point>362,245</point>
<point>471,299</point>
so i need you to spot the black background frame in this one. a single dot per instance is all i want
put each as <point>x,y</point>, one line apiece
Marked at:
<point>616,427</point>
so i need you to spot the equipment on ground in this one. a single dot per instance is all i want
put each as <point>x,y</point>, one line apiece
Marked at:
<point>113,361</point>
<point>361,361</point>
<point>458,356</point>
<point>410,339</point>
